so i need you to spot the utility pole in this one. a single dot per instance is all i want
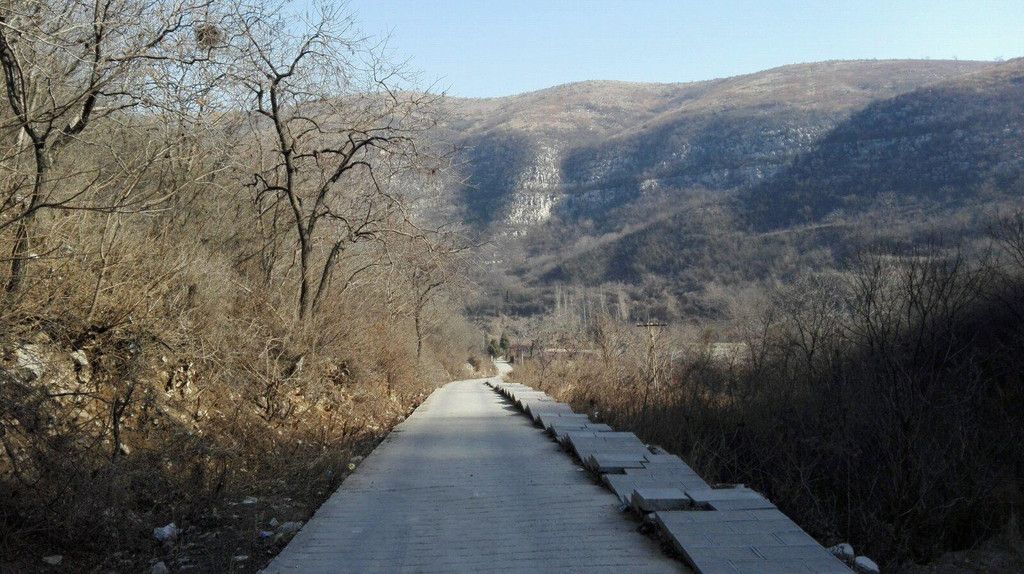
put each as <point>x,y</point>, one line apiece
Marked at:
<point>652,350</point>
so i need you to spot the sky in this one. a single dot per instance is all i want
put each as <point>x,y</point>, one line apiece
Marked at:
<point>486,48</point>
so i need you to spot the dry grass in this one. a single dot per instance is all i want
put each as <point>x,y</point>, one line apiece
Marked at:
<point>882,410</point>
<point>185,388</point>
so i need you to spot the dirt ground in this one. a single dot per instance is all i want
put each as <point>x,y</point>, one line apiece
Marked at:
<point>237,536</point>
<point>994,557</point>
<point>234,537</point>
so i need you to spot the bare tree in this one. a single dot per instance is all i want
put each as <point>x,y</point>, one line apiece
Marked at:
<point>1009,233</point>
<point>431,265</point>
<point>813,314</point>
<point>67,64</point>
<point>333,134</point>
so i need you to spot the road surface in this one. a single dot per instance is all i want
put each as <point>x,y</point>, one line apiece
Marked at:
<point>467,484</point>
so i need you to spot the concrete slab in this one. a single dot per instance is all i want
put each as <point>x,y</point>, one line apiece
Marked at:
<point>604,437</point>
<point>530,397</point>
<point>565,426</point>
<point>779,552</point>
<point>523,400</point>
<point>584,443</point>
<point>720,516</point>
<point>725,531</point>
<point>535,410</point>
<point>559,431</point>
<point>687,528</point>
<point>623,485</point>
<point>669,459</point>
<point>740,498</point>
<point>741,504</point>
<point>729,540</point>
<point>796,537</point>
<point>614,458</point>
<point>779,527</point>
<point>724,494</point>
<point>531,405</point>
<point>613,462</point>
<point>706,554</point>
<point>649,499</point>
<point>765,567</point>
<point>548,419</point>
<point>688,480</point>
<point>714,541</point>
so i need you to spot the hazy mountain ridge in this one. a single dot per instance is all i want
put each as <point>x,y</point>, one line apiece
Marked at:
<point>942,142</point>
<point>937,154</point>
<point>740,180</point>
<point>577,148</point>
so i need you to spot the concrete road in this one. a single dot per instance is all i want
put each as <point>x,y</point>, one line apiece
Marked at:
<point>467,484</point>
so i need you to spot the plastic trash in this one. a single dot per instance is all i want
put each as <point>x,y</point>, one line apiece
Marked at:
<point>165,533</point>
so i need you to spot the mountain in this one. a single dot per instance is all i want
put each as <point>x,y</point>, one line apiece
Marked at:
<point>942,142</point>
<point>571,147</point>
<point>669,188</point>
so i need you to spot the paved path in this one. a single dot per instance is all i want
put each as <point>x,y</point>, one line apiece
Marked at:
<point>467,484</point>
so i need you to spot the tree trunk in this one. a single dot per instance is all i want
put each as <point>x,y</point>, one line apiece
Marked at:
<point>419,334</point>
<point>325,276</point>
<point>21,251</point>
<point>104,260</point>
<point>19,254</point>
<point>304,253</point>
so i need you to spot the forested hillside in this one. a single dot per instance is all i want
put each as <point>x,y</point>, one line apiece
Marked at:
<point>585,147</point>
<point>735,182</point>
<point>951,143</point>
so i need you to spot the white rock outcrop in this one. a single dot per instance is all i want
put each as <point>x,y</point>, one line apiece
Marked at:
<point>866,565</point>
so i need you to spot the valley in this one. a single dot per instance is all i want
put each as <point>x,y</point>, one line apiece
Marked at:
<point>630,186</point>
<point>243,243</point>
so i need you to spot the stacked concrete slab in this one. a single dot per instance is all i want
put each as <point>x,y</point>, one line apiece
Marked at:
<point>718,530</point>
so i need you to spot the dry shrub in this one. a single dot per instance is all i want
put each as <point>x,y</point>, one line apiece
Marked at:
<point>186,384</point>
<point>882,407</point>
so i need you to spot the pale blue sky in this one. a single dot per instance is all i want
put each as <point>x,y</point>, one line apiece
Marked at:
<point>500,47</point>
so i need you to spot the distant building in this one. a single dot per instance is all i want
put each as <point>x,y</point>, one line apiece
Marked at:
<point>532,351</point>
<point>519,351</point>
